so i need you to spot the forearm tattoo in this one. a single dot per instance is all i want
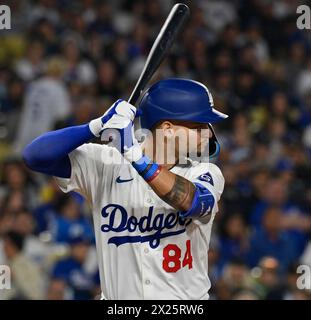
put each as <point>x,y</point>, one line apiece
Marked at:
<point>181,195</point>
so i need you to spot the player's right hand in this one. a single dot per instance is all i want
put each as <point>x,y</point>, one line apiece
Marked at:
<point>120,109</point>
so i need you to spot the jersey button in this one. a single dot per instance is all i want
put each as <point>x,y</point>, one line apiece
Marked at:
<point>146,250</point>
<point>147,282</point>
<point>149,200</point>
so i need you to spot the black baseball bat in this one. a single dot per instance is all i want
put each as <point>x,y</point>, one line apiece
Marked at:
<point>163,42</point>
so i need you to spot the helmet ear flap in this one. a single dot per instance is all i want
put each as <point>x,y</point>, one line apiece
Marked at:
<point>214,146</point>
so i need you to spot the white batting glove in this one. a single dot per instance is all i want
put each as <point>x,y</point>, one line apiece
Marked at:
<point>120,132</point>
<point>120,109</point>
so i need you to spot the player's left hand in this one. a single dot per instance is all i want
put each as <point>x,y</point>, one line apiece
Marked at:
<point>121,110</point>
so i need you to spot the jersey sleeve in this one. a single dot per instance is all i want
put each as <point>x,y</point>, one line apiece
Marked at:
<point>86,170</point>
<point>209,176</point>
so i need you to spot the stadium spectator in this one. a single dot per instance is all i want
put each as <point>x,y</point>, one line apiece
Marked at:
<point>69,221</point>
<point>58,290</point>
<point>27,279</point>
<point>271,240</point>
<point>46,102</point>
<point>73,269</point>
<point>232,242</point>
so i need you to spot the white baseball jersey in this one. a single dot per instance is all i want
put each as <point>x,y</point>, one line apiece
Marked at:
<point>144,249</point>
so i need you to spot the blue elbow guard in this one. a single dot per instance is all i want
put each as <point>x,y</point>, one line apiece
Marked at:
<point>202,204</point>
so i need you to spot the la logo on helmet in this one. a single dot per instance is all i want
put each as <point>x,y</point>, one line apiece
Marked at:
<point>5,17</point>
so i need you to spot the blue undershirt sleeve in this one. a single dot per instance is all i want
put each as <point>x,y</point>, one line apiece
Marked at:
<point>49,152</point>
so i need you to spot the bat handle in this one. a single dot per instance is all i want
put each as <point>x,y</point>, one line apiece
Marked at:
<point>134,96</point>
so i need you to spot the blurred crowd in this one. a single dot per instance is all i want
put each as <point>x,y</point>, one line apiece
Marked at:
<point>64,62</point>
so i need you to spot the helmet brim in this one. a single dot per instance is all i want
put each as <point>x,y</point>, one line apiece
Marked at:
<point>216,116</point>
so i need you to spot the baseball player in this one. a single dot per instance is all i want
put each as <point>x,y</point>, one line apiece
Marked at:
<point>152,220</point>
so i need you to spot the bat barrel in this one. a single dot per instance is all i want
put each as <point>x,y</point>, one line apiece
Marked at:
<point>163,42</point>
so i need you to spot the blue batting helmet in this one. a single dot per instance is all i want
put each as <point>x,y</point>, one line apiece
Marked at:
<point>180,99</point>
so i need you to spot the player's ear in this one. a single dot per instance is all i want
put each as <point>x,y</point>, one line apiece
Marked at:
<point>168,128</point>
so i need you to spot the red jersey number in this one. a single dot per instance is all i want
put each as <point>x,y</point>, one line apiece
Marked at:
<point>171,257</point>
